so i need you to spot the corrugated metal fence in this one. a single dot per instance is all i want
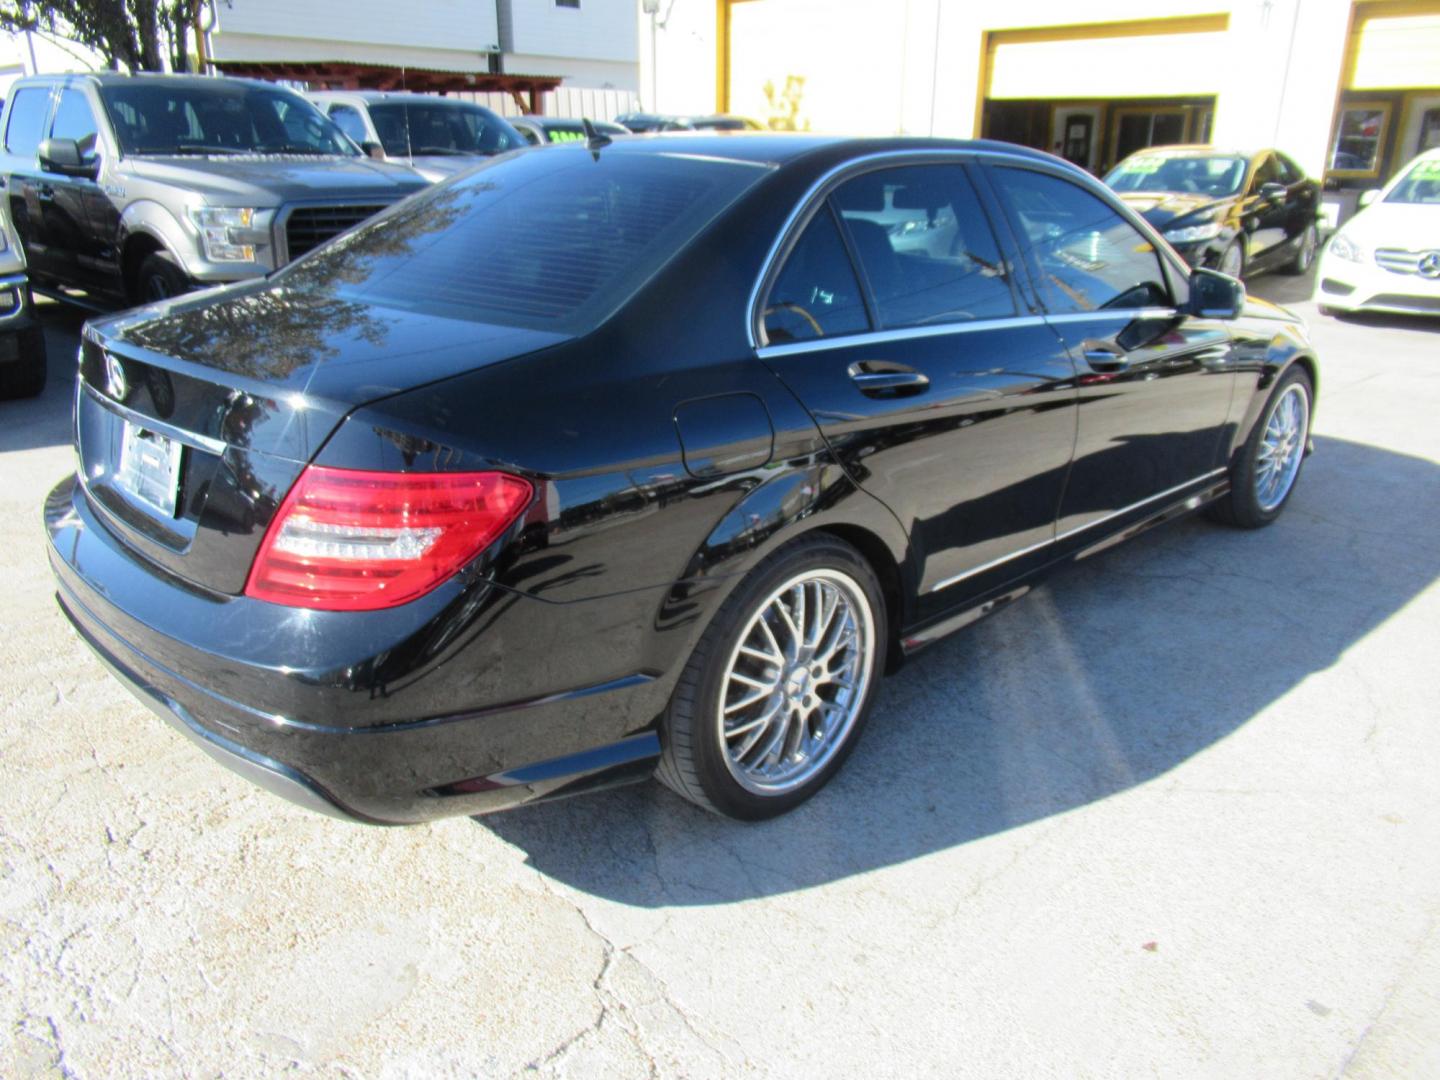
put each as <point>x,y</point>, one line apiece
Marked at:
<point>567,101</point>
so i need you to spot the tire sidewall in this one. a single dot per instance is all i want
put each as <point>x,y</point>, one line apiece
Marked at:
<point>722,789</point>
<point>160,265</point>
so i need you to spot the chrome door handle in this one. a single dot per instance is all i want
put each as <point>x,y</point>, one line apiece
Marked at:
<point>881,378</point>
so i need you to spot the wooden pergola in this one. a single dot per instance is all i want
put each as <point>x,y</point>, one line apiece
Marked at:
<point>346,75</point>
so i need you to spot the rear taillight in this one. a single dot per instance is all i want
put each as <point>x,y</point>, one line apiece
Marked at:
<point>349,540</point>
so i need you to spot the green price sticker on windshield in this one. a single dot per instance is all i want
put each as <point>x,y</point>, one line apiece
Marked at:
<point>1426,170</point>
<point>1145,164</point>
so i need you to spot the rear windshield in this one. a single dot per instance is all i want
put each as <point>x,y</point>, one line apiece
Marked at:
<point>164,117</point>
<point>427,128</point>
<point>553,240</point>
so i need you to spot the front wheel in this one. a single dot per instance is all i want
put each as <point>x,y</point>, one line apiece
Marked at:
<point>1265,471</point>
<point>778,688</point>
<point>159,278</point>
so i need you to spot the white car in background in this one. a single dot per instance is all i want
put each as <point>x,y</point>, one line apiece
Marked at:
<point>435,136</point>
<point>1387,257</point>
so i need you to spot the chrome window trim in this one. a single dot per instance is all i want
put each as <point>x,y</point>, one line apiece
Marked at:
<point>1115,313</point>
<point>900,333</point>
<point>956,579</point>
<point>149,423</point>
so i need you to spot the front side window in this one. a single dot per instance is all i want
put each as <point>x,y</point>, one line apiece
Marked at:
<point>185,118</point>
<point>924,246</point>
<point>1267,172</point>
<point>1085,256</point>
<point>817,293</point>
<point>28,109</point>
<point>427,128</point>
<point>348,119</point>
<point>74,119</point>
<point>1290,173</point>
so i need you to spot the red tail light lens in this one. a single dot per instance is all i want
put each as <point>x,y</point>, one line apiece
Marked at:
<point>350,540</point>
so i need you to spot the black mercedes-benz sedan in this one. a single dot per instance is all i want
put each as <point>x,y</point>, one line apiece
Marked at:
<point>1239,213</point>
<point>644,457</point>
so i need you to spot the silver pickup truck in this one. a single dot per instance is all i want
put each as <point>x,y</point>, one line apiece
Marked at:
<point>129,188</point>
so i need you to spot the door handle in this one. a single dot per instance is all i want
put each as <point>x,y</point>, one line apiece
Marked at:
<point>1105,360</point>
<point>45,192</point>
<point>881,378</point>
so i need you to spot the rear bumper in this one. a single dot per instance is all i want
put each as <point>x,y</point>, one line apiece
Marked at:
<point>457,756</point>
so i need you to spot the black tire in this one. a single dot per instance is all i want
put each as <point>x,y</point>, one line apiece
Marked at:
<point>158,278</point>
<point>1242,507</point>
<point>1237,248</point>
<point>1305,254</point>
<point>694,760</point>
<point>24,377</point>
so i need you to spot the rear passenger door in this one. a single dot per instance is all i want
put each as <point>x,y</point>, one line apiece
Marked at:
<point>77,204</point>
<point>1154,383</point>
<point>894,317</point>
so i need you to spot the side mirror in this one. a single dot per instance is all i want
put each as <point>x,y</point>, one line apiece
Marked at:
<point>1273,192</point>
<point>1214,295</point>
<point>63,156</point>
<point>1368,197</point>
<point>374,149</point>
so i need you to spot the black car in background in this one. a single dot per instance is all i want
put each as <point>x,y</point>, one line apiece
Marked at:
<point>1239,213</point>
<point>651,456</point>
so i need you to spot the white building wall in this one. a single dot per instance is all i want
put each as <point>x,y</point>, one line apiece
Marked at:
<point>913,66</point>
<point>453,25</point>
<point>597,74</point>
<point>596,30</point>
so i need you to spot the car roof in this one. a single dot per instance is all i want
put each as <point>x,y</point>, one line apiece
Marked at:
<point>1206,149</point>
<point>778,147</point>
<point>374,96</point>
<point>117,78</point>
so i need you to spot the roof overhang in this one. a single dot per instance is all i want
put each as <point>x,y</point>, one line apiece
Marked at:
<point>349,75</point>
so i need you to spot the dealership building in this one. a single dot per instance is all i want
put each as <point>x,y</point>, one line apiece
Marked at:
<point>1350,90</point>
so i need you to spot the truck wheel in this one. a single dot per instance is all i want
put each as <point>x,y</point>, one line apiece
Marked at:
<point>159,278</point>
<point>25,376</point>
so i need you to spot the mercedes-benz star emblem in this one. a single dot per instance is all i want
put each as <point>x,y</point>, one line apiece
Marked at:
<point>1429,265</point>
<point>115,382</point>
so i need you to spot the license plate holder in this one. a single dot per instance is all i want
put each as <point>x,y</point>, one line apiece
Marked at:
<point>149,467</point>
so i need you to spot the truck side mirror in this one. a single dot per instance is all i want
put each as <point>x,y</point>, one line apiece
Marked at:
<point>63,156</point>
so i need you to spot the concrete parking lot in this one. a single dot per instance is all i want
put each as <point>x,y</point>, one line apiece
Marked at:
<point>1174,815</point>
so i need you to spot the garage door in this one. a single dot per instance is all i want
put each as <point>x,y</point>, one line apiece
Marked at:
<point>1394,46</point>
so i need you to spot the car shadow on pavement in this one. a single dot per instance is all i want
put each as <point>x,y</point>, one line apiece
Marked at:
<point>1108,676</point>
<point>33,423</point>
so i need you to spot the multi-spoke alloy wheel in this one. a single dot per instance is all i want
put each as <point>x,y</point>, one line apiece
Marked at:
<point>1264,471</point>
<point>795,681</point>
<point>1282,446</point>
<point>779,685</point>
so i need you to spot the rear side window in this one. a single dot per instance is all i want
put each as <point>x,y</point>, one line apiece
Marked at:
<point>553,241</point>
<point>26,127</point>
<point>1084,255</point>
<point>925,246</point>
<point>817,293</point>
<point>74,119</point>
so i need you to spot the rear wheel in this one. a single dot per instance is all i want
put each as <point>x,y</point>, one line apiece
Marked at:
<point>24,376</point>
<point>779,687</point>
<point>1305,253</point>
<point>159,278</point>
<point>1268,465</point>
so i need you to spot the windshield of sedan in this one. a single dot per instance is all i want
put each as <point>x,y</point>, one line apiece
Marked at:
<point>1420,185</point>
<point>184,118</point>
<point>552,241</point>
<point>410,128</point>
<point>1216,177</point>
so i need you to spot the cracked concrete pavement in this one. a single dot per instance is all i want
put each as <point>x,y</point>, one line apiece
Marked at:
<point>1175,814</point>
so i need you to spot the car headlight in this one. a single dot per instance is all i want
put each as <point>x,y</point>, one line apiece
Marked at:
<point>1193,233</point>
<point>226,232</point>
<point>1342,247</point>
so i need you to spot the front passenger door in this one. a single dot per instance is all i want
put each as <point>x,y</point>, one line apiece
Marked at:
<point>1154,383</point>
<point>75,222</point>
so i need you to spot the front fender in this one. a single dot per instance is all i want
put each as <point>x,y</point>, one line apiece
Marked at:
<point>1264,352</point>
<point>148,218</point>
